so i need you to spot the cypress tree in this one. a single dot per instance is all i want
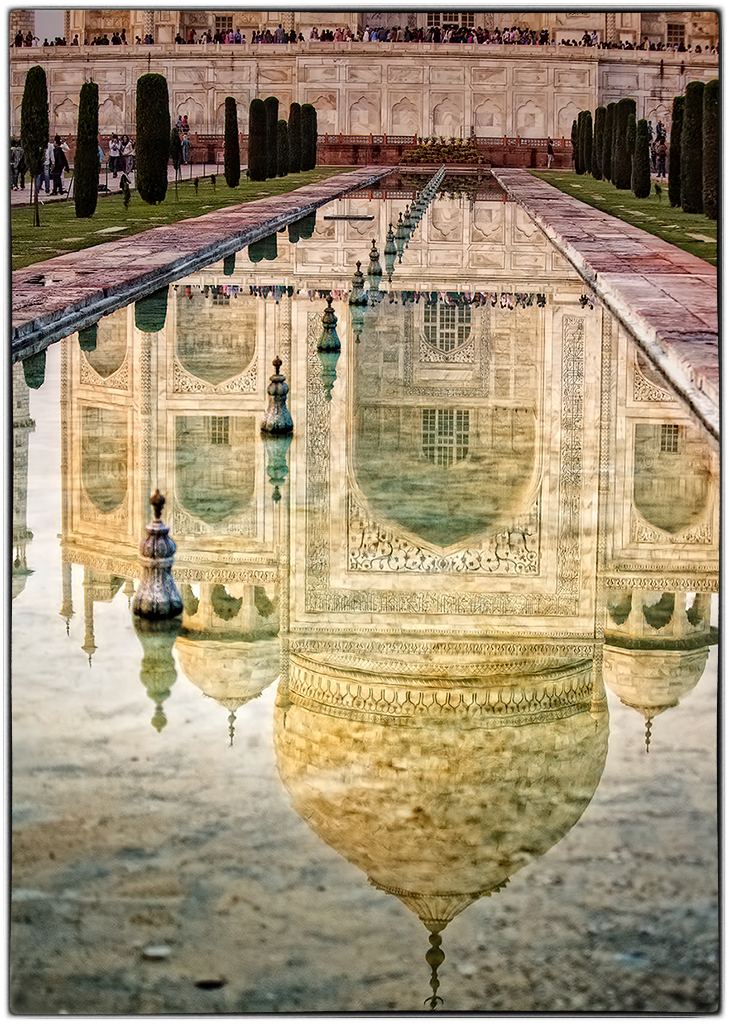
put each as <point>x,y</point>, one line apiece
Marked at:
<point>622,158</point>
<point>607,154</point>
<point>598,129</point>
<point>256,251</point>
<point>642,161</point>
<point>232,149</point>
<point>34,369</point>
<point>268,246</point>
<point>306,224</point>
<point>150,312</point>
<point>282,138</point>
<point>294,232</point>
<point>579,147</point>
<point>574,142</point>
<point>86,158</point>
<point>257,160</point>
<point>675,152</point>
<point>295,138</point>
<point>88,338</point>
<point>34,126</point>
<point>153,137</point>
<point>631,143</point>
<point>272,121</point>
<point>587,141</point>
<point>691,157</point>
<point>309,137</point>
<point>710,150</point>
<point>229,264</point>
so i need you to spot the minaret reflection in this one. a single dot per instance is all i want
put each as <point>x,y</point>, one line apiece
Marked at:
<point>23,427</point>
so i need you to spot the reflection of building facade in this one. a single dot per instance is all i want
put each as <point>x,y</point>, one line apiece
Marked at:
<point>399,89</point>
<point>23,426</point>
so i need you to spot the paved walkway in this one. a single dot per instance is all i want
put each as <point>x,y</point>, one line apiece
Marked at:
<point>665,297</point>
<point>56,297</point>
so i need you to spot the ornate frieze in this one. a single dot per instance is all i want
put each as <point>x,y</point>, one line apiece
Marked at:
<point>642,532</point>
<point>646,391</point>
<point>118,380</point>
<point>244,383</point>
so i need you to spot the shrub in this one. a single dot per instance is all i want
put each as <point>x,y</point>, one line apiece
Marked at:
<point>282,155</point>
<point>34,126</point>
<point>675,153</point>
<point>631,142</point>
<point>271,105</point>
<point>710,142</point>
<point>642,161</point>
<point>295,138</point>
<point>88,338</point>
<point>574,142</point>
<point>625,109</point>
<point>598,129</point>
<point>309,137</point>
<point>86,158</point>
<point>34,369</point>
<point>153,137</point>
<point>691,156</point>
<point>607,153</point>
<point>232,149</point>
<point>257,160</point>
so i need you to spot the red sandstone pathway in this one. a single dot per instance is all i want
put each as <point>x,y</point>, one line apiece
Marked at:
<point>53,298</point>
<point>665,297</point>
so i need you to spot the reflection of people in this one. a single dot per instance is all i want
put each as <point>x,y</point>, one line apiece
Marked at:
<point>550,153</point>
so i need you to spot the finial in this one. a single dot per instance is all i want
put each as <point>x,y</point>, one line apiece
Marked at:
<point>157,597</point>
<point>231,726</point>
<point>647,737</point>
<point>157,501</point>
<point>434,958</point>
<point>328,340</point>
<point>278,418</point>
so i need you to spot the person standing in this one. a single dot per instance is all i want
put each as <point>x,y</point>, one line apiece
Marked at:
<point>185,149</point>
<point>661,158</point>
<point>45,174</point>
<point>125,154</point>
<point>16,159</point>
<point>60,164</point>
<point>114,149</point>
<point>550,153</point>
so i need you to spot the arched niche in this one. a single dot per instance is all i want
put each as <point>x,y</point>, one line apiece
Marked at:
<point>214,342</point>
<point>104,456</point>
<point>111,344</point>
<point>215,468</point>
<point>405,119</point>
<point>672,475</point>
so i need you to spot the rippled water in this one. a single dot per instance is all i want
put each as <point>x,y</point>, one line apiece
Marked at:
<point>438,719</point>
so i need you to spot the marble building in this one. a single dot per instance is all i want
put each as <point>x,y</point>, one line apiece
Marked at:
<point>395,88</point>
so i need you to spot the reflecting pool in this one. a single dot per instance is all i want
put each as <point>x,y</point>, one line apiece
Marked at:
<point>437,726</point>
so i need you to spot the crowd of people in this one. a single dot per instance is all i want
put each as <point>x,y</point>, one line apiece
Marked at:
<point>394,34</point>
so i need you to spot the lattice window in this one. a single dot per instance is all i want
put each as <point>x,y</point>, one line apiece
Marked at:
<point>223,22</point>
<point>446,327</point>
<point>669,438</point>
<point>450,19</point>
<point>219,430</point>
<point>675,35</point>
<point>445,435</point>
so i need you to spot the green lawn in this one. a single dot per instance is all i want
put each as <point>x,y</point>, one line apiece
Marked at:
<point>691,231</point>
<point>61,231</point>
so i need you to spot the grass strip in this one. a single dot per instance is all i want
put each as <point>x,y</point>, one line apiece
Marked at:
<point>692,232</point>
<point>61,231</point>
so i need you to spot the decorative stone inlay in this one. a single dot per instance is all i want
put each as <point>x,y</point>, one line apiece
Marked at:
<point>399,702</point>
<point>375,548</point>
<point>506,656</point>
<point>89,513</point>
<point>479,339</point>
<point>641,531</point>
<point>244,525</point>
<point>666,584</point>
<point>646,391</point>
<point>320,596</point>
<point>119,379</point>
<point>244,383</point>
<point>428,353</point>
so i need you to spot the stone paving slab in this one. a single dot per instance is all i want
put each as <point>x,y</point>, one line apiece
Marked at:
<point>56,297</point>
<point>666,298</point>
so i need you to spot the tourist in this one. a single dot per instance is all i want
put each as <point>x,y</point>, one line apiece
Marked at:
<point>661,158</point>
<point>185,125</point>
<point>185,149</point>
<point>60,164</point>
<point>18,39</point>
<point>75,40</point>
<point>16,158</point>
<point>125,154</point>
<point>100,152</point>
<point>45,174</point>
<point>652,155</point>
<point>114,151</point>
<point>550,153</point>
